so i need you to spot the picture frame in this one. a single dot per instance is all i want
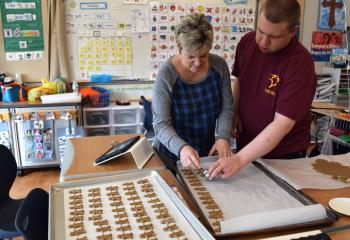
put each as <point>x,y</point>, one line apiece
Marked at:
<point>332,15</point>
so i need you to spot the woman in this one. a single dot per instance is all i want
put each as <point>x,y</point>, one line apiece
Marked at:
<point>192,95</point>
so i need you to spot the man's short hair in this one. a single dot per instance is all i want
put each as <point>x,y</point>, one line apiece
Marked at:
<point>277,11</point>
<point>193,32</point>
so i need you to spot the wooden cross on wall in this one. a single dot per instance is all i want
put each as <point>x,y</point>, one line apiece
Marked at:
<point>333,5</point>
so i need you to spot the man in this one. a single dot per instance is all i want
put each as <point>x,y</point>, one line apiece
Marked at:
<point>273,91</point>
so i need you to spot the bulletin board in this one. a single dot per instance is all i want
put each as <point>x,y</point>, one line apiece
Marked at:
<point>31,71</point>
<point>131,39</point>
<point>22,29</point>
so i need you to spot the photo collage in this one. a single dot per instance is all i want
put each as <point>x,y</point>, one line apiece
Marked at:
<point>39,138</point>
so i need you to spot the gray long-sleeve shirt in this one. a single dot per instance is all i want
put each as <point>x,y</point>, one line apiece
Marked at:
<point>162,104</point>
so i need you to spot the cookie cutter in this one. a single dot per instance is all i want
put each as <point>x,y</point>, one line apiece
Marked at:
<point>206,175</point>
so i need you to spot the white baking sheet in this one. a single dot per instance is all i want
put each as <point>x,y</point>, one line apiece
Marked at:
<point>250,201</point>
<point>300,173</point>
<point>181,221</point>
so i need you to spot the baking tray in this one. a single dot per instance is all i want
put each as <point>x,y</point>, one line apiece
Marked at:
<point>289,190</point>
<point>57,218</point>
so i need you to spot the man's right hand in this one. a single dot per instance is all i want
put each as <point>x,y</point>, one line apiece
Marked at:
<point>189,157</point>
<point>225,167</point>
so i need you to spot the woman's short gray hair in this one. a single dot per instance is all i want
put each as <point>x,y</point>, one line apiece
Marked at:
<point>193,32</point>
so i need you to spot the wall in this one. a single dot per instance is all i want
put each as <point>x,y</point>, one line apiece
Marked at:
<point>31,71</point>
<point>310,25</point>
<point>141,67</point>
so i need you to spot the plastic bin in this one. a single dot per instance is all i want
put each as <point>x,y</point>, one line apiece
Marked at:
<point>97,100</point>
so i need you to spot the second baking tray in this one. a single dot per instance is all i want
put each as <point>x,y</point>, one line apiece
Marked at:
<point>254,200</point>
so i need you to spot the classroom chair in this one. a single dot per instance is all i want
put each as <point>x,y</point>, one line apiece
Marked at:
<point>8,206</point>
<point>33,215</point>
<point>148,119</point>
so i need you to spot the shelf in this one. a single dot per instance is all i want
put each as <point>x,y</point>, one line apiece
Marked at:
<point>127,124</point>
<point>337,140</point>
<point>26,104</point>
<point>116,82</point>
<point>39,163</point>
<point>97,126</point>
<point>340,118</point>
<point>85,109</point>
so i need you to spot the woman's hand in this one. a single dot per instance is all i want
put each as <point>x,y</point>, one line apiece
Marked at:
<point>189,157</point>
<point>222,148</point>
<point>236,126</point>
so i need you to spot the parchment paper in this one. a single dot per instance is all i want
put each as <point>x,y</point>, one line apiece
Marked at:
<point>300,173</point>
<point>250,200</point>
<point>181,222</point>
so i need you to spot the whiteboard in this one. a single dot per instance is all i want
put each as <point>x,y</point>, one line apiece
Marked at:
<point>107,23</point>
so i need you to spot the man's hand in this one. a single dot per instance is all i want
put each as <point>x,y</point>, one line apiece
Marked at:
<point>227,167</point>
<point>189,157</point>
<point>222,148</point>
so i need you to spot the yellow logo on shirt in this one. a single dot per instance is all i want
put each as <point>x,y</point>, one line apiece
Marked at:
<point>274,79</point>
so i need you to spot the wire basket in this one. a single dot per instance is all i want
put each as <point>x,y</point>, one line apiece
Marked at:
<point>98,100</point>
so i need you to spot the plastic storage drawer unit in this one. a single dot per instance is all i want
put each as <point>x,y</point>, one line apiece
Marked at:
<point>125,116</point>
<point>100,117</point>
<point>126,129</point>
<point>99,131</point>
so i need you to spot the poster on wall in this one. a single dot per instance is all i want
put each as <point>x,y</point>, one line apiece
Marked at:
<point>323,43</point>
<point>332,15</point>
<point>230,23</point>
<point>338,57</point>
<point>102,40</point>
<point>22,29</point>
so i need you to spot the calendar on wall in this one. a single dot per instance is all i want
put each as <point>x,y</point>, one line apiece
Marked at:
<point>110,54</point>
<point>133,38</point>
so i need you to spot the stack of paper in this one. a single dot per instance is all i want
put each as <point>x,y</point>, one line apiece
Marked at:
<point>325,88</point>
<point>61,98</point>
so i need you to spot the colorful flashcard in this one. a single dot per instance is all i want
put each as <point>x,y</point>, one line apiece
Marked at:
<point>229,22</point>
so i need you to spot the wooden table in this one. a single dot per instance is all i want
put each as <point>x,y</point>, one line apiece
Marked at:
<point>78,164</point>
<point>80,154</point>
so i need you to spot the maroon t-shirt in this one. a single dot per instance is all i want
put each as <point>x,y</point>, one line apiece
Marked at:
<point>282,82</point>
